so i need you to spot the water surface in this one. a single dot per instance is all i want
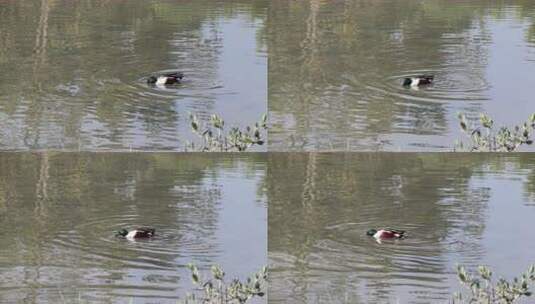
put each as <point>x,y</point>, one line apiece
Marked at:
<point>336,67</point>
<point>74,72</point>
<point>456,208</point>
<point>59,212</point>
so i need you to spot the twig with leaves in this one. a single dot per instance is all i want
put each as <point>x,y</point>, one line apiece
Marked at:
<point>214,138</point>
<point>485,138</point>
<point>484,290</point>
<point>217,290</point>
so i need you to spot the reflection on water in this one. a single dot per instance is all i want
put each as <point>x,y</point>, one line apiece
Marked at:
<point>336,69</point>
<point>73,72</point>
<point>457,209</point>
<point>59,212</point>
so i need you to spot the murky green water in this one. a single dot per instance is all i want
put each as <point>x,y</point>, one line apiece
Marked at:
<point>458,209</point>
<point>335,70</point>
<point>59,212</point>
<point>74,72</point>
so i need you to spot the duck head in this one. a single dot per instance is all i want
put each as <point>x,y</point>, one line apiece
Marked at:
<point>371,232</point>
<point>407,82</point>
<point>152,79</point>
<point>122,232</point>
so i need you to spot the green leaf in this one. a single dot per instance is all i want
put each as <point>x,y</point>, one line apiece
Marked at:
<point>217,272</point>
<point>486,121</point>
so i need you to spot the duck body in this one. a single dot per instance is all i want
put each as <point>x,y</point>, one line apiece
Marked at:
<point>138,233</point>
<point>166,79</point>
<point>420,80</point>
<point>383,234</point>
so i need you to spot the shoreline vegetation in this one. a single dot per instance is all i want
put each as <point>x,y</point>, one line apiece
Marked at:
<point>484,290</point>
<point>482,135</point>
<point>214,137</point>
<point>216,290</point>
<point>486,138</point>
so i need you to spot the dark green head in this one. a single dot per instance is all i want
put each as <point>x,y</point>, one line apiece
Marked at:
<point>407,82</point>
<point>122,232</point>
<point>371,232</point>
<point>152,79</point>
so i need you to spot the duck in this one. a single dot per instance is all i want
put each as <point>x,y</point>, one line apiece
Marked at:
<point>166,78</point>
<point>138,233</point>
<point>419,80</point>
<point>386,233</point>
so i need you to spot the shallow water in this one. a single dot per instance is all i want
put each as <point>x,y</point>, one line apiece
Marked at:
<point>74,72</point>
<point>336,67</point>
<point>456,208</point>
<point>59,212</point>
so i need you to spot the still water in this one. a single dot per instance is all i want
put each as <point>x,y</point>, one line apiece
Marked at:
<point>74,72</point>
<point>59,212</point>
<point>456,209</point>
<point>336,67</point>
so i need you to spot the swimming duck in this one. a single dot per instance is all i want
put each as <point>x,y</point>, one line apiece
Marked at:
<point>138,233</point>
<point>167,78</point>
<point>383,234</point>
<point>419,80</point>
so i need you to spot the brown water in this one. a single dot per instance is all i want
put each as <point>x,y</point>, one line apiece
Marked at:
<point>74,72</point>
<point>456,208</point>
<point>335,71</point>
<point>59,212</point>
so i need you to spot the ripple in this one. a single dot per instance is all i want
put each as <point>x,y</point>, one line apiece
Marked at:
<point>449,85</point>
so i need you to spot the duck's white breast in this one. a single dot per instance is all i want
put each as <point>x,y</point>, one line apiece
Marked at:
<point>131,234</point>
<point>378,234</point>
<point>161,80</point>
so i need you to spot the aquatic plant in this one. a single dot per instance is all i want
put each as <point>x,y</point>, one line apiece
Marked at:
<point>486,138</point>
<point>217,290</point>
<point>484,290</point>
<point>214,138</point>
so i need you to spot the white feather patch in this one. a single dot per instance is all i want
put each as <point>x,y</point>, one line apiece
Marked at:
<point>378,234</point>
<point>131,234</point>
<point>161,80</point>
